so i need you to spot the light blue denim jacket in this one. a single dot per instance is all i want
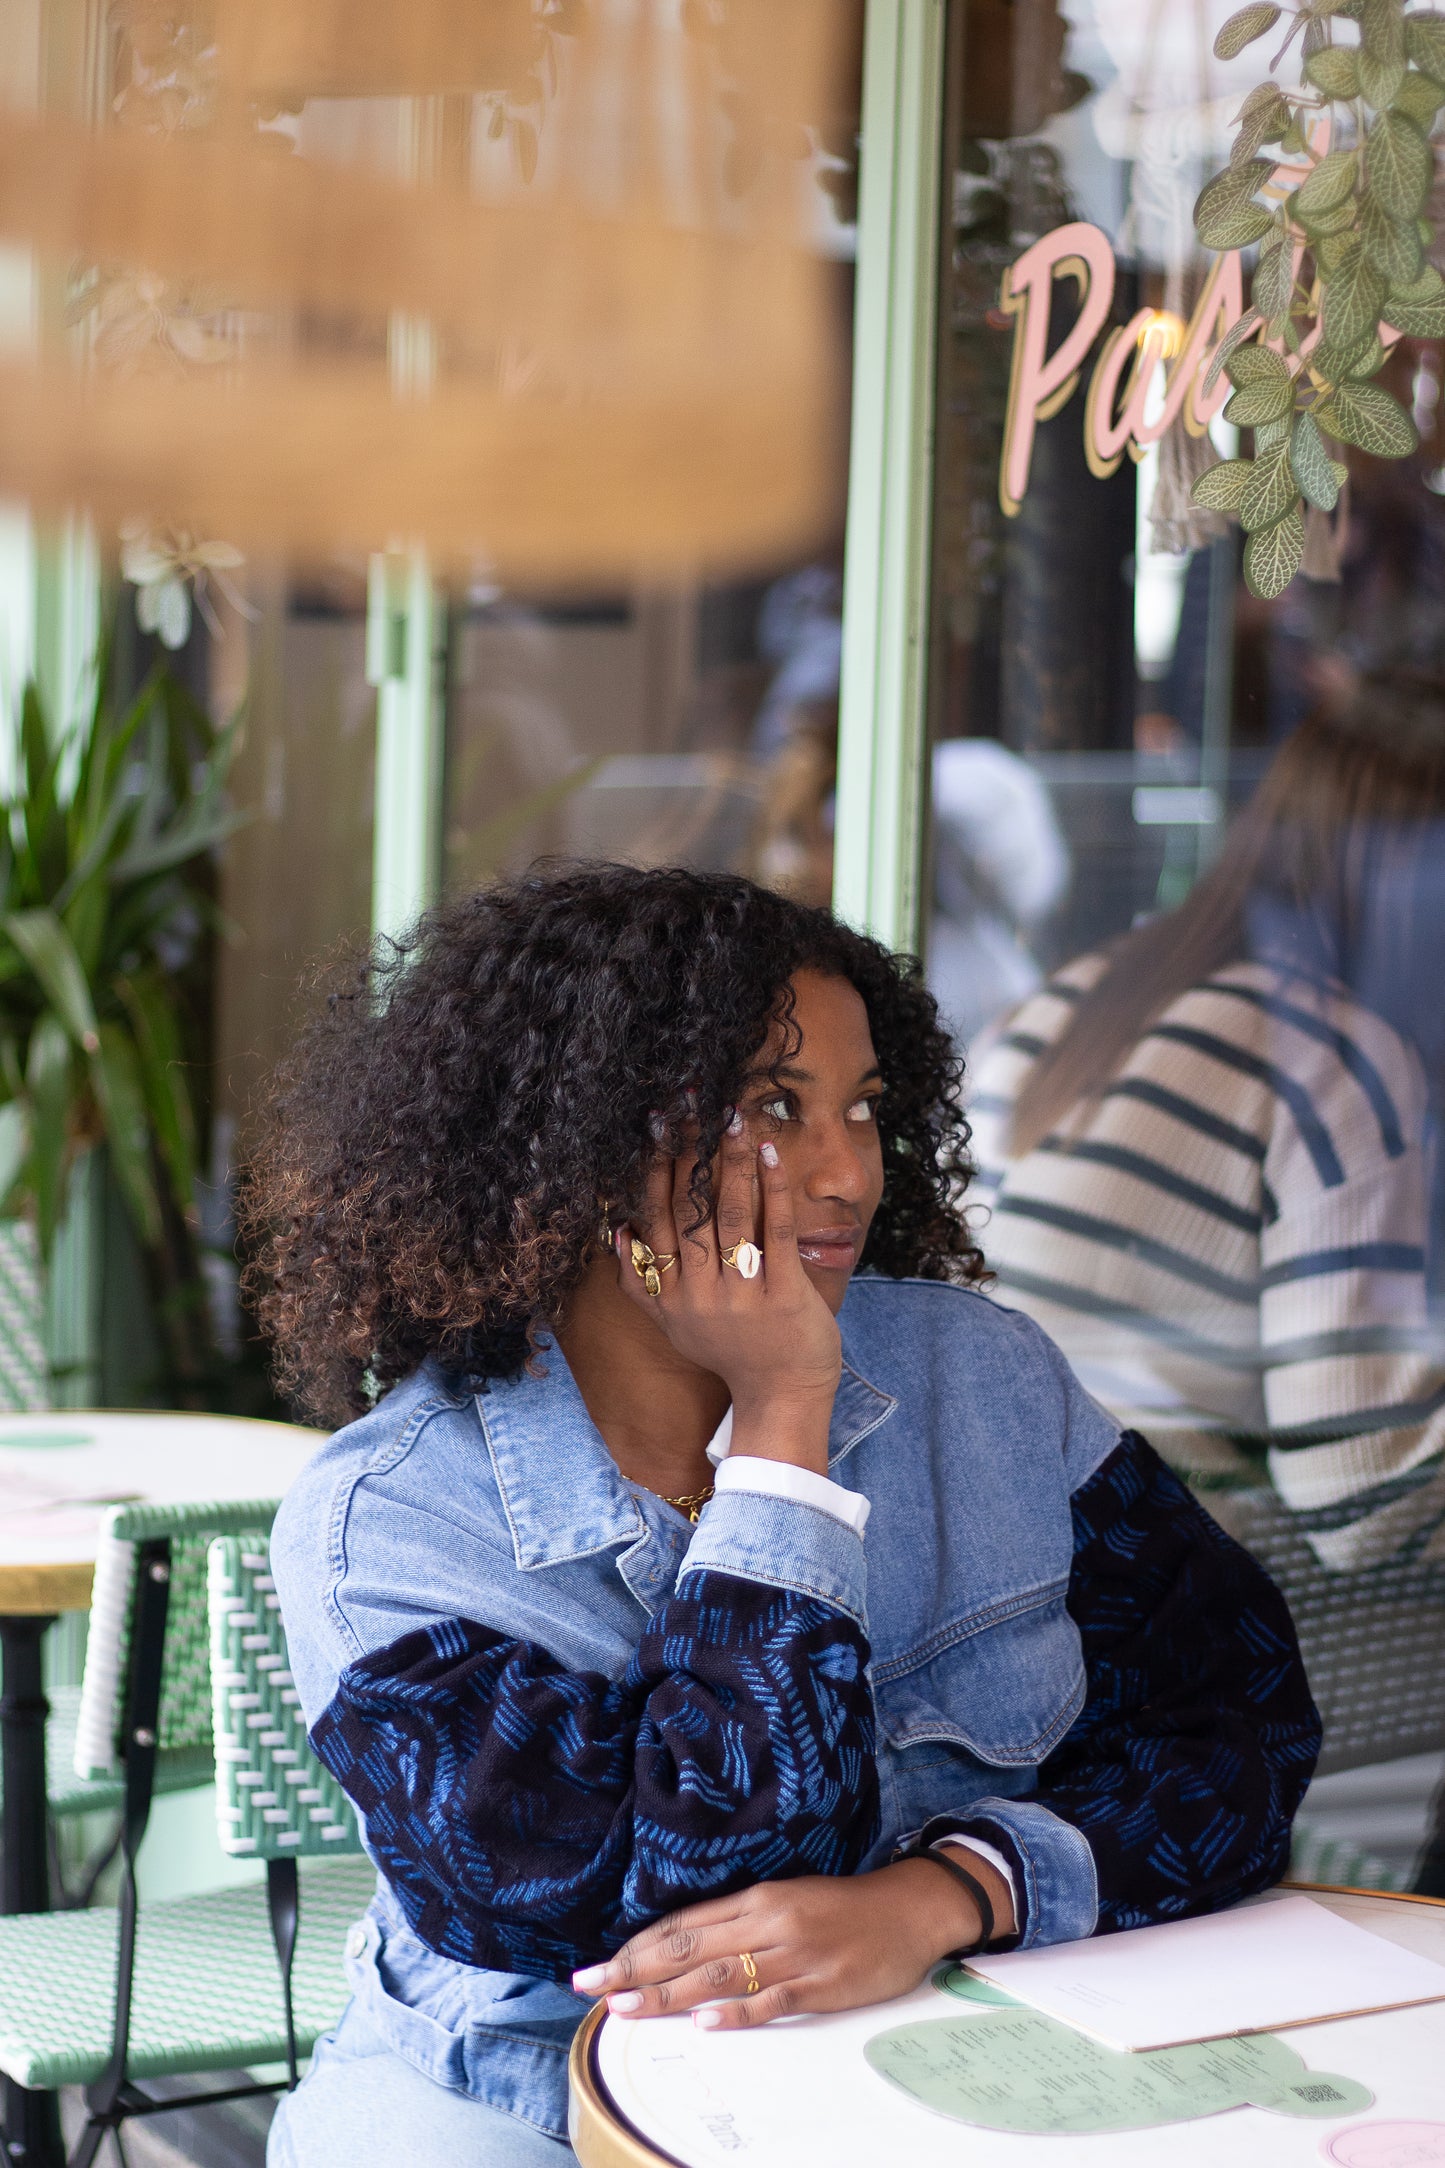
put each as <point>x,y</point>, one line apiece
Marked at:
<point>959,1421</point>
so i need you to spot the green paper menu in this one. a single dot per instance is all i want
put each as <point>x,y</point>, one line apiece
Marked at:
<point>1017,2070</point>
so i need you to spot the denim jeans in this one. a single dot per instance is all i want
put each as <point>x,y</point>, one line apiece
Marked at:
<point>360,2102</point>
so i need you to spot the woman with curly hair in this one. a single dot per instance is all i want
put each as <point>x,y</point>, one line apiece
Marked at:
<point>616,1218</point>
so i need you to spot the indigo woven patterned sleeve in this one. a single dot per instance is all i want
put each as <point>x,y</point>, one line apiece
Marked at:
<point>531,1818</point>
<point>1198,1735</point>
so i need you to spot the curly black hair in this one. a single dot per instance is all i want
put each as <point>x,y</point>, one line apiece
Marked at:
<point>439,1141</point>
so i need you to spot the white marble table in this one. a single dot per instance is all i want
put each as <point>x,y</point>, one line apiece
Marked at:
<point>659,2094</point>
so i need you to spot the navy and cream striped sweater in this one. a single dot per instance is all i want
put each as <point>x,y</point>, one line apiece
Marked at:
<point>1229,1245</point>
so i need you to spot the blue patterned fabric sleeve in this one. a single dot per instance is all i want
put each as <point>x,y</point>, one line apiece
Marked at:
<point>531,1818</point>
<point>1198,1734</point>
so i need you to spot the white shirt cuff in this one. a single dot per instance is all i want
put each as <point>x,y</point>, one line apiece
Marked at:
<point>991,1853</point>
<point>780,1479</point>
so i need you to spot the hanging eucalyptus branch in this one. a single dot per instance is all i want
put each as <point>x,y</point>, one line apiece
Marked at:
<point>1343,244</point>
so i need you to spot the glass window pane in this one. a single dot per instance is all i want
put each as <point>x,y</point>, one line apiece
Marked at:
<point>296,875</point>
<point>1187,846</point>
<point>688,723</point>
<point>696,727</point>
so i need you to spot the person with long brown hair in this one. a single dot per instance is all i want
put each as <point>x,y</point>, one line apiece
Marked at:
<point>1208,1149</point>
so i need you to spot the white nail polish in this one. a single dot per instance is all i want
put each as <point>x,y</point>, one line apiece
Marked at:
<point>706,2020</point>
<point>624,2005</point>
<point>589,1979</point>
<point>768,1154</point>
<point>735,1125</point>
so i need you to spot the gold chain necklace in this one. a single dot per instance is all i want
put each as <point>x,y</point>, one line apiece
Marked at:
<point>689,1502</point>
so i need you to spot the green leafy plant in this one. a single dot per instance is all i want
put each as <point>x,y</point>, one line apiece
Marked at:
<point>1337,212</point>
<point>104,842</point>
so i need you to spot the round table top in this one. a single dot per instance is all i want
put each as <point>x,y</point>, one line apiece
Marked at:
<point>60,1470</point>
<point>819,2057</point>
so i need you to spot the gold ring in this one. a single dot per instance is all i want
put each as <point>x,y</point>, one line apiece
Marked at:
<point>750,1972</point>
<point>744,1257</point>
<point>649,1267</point>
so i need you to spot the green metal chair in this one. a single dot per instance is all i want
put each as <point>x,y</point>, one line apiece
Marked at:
<point>1373,1643</point>
<point>274,1800</point>
<point>82,1768</point>
<point>83,1757</point>
<point>105,1999</point>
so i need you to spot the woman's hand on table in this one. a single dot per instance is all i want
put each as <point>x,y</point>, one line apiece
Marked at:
<point>819,1943</point>
<point>772,1339</point>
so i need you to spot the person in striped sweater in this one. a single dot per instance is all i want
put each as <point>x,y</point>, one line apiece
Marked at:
<point>1209,1162</point>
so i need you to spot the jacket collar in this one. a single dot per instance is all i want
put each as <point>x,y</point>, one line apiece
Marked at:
<point>563,1494</point>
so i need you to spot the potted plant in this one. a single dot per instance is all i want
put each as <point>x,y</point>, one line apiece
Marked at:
<point>105,844</point>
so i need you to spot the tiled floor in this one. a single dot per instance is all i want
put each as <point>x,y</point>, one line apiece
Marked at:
<point>232,2135</point>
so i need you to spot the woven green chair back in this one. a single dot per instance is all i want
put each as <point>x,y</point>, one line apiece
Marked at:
<point>184,1729</point>
<point>24,1370</point>
<point>273,1797</point>
<point>1373,1640</point>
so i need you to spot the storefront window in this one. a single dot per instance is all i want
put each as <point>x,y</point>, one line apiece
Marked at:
<point>1210,1145</point>
<point>688,723</point>
<point>281,660</point>
<point>696,727</point>
<point>296,875</point>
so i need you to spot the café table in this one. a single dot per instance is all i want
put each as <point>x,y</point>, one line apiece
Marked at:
<point>58,1472</point>
<point>800,2094</point>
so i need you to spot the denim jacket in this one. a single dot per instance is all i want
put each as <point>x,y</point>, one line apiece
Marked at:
<point>562,1711</point>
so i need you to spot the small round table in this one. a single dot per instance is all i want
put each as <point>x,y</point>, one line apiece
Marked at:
<point>603,2137</point>
<point>58,1472</point>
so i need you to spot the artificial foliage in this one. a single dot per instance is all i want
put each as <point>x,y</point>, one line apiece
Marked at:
<point>1330,180</point>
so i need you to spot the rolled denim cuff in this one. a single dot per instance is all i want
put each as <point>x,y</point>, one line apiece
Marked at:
<point>1056,1885</point>
<point>783,1543</point>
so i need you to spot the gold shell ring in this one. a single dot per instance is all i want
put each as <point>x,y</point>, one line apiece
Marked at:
<point>649,1267</point>
<point>750,1971</point>
<point>744,1257</point>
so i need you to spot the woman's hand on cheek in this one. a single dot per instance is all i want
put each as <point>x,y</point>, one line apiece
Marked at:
<point>820,1943</point>
<point>772,1339</point>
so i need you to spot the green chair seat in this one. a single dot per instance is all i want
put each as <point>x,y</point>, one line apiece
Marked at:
<point>207,1995</point>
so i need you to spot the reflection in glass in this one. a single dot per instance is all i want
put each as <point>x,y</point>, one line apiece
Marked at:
<point>693,722</point>
<point>1162,1197</point>
<point>692,728</point>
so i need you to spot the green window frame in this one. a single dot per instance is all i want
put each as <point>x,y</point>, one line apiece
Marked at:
<point>882,731</point>
<point>882,722</point>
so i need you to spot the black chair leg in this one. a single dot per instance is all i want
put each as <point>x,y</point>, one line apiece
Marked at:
<point>1430,1874</point>
<point>89,2144</point>
<point>30,2127</point>
<point>283,1895</point>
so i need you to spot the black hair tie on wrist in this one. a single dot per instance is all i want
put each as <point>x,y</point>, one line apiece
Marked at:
<point>975,1890</point>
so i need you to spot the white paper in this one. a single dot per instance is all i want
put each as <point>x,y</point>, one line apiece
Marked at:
<point>1254,1969</point>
